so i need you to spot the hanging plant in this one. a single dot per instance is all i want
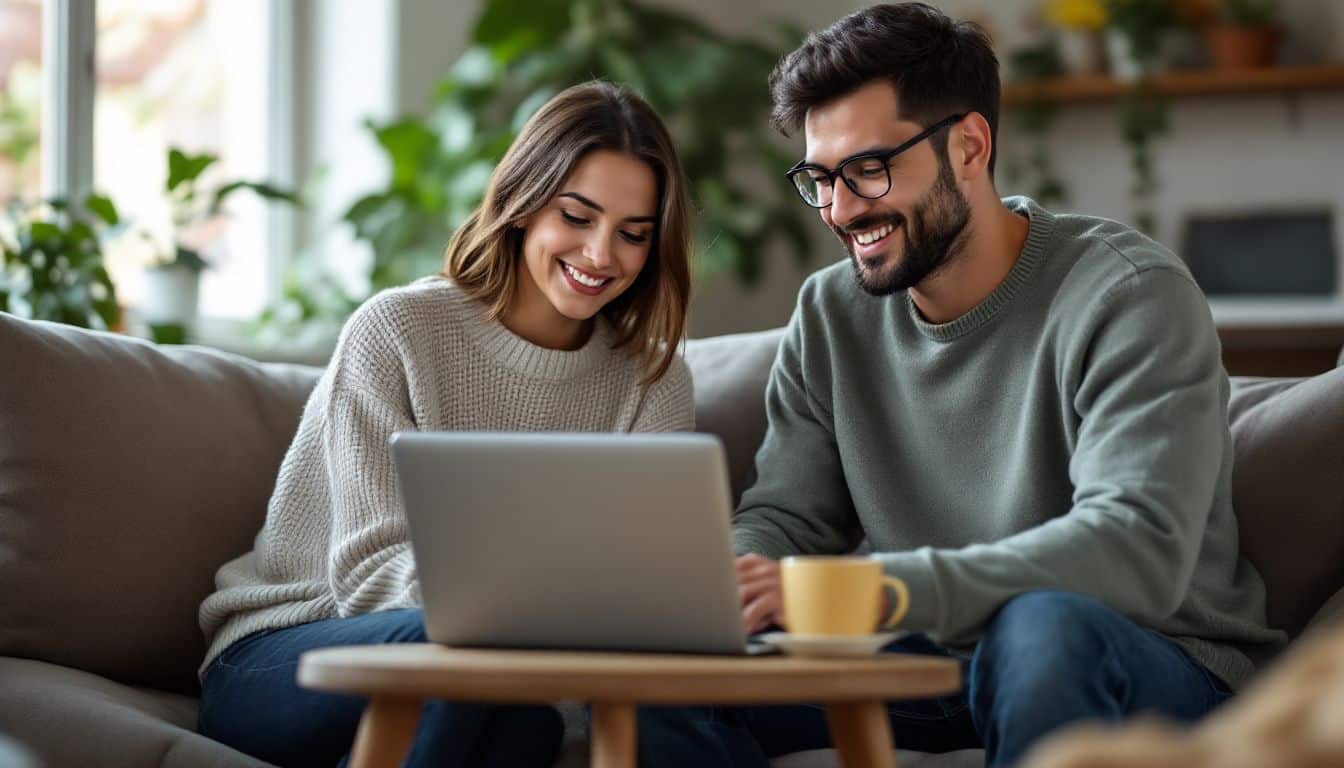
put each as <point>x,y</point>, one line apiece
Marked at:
<point>1034,118</point>
<point>1143,118</point>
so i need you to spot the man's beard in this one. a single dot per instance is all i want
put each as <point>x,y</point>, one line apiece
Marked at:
<point>939,219</point>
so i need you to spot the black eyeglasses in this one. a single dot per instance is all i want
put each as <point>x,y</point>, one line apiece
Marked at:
<point>867,175</point>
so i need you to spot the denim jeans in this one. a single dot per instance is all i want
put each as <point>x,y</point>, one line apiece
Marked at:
<point>251,702</point>
<point>1046,660</point>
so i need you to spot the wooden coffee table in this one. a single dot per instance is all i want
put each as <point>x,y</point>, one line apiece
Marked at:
<point>397,678</point>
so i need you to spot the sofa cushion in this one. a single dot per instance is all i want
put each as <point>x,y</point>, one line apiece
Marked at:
<point>68,717</point>
<point>1288,489</point>
<point>1330,614</point>
<point>730,374</point>
<point>128,474</point>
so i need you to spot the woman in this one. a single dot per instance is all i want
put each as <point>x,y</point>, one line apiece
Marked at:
<point>560,308</point>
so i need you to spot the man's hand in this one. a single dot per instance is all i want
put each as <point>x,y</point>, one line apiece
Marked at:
<point>759,591</point>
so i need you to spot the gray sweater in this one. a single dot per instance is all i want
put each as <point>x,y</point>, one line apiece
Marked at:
<point>1069,432</point>
<point>420,357</point>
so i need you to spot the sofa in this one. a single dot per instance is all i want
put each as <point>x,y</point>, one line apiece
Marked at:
<point>129,472</point>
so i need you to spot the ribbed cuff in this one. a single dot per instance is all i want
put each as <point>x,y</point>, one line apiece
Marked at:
<point>754,543</point>
<point>913,568</point>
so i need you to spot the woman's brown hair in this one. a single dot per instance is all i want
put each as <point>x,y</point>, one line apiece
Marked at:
<point>484,256</point>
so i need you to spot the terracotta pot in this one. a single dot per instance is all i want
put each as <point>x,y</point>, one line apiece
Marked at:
<point>1234,47</point>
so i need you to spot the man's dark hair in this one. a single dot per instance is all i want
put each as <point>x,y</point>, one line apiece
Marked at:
<point>939,67</point>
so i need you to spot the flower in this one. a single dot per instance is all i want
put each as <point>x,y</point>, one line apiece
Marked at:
<point>1076,14</point>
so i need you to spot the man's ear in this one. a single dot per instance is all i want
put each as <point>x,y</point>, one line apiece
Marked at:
<point>970,146</point>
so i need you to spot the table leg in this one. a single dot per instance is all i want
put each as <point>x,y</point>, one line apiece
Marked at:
<point>612,735</point>
<point>861,733</point>
<point>385,732</point>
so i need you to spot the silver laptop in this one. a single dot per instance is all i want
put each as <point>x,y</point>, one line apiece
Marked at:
<point>581,541</point>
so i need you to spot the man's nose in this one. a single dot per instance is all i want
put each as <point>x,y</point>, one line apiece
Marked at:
<point>846,207</point>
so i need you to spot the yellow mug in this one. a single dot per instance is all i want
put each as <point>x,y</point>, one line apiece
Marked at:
<point>837,595</point>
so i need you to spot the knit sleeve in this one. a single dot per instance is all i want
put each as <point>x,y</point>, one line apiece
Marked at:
<point>669,405</point>
<point>800,503</point>
<point>370,565</point>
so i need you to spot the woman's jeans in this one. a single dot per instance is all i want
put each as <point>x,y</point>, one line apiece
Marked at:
<point>250,700</point>
<point>1047,659</point>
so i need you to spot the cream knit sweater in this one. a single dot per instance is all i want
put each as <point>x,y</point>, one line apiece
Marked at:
<point>419,357</point>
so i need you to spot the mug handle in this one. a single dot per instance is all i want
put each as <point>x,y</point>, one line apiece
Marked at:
<point>899,610</point>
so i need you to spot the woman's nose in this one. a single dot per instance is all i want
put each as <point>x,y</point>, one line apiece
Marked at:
<point>598,252</point>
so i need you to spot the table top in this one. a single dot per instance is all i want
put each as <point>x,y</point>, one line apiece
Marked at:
<point>429,670</point>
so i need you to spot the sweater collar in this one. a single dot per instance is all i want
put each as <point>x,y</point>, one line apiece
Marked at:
<point>518,354</point>
<point>1040,224</point>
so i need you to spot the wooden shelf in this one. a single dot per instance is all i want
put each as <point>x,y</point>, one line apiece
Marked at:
<point>1204,82</point>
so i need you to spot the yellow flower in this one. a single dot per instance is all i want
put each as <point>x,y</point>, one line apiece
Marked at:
<point>1076,14</point>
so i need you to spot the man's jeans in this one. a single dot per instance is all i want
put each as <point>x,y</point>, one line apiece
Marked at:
<point>250,701</point>
<point>1047,659</point>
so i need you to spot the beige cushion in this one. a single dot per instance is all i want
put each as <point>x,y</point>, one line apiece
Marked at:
<point>70,718</point>
<point>128,474</point>
<point>730,374</point>
<point>1330,614</point>
<point>1288,489</point>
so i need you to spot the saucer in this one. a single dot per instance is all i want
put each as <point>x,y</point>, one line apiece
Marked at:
<point>830,645</point>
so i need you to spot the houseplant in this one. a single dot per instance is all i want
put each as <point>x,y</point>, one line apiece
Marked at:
<point>1034,165</point>
<point>1135,32</point>
<point>1143,118</point>
<point>709,87</point>
<point>172,283</point>
<point>51,262</point>
<point>1244,36</point>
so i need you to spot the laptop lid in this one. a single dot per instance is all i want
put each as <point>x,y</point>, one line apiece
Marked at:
<point>590,541</point>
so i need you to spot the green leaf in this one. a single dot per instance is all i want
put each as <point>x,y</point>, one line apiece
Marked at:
<point>364,209</point>
<point>474,69</point>
<point>185,168</point>
<point>407,142</point>
<point>102,207</point>
<point>168,333</point>
<point>503,20</point>
<point>455,126</point>
<point>261,188</point>
<point>45,232</point>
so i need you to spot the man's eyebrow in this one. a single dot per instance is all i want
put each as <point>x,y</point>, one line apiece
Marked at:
<point>600,209</point>
<point>860,153</point>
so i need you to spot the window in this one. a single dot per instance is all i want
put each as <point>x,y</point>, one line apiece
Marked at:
<point>191,74</point>
<point>199,75</point>
<point>20,99</point>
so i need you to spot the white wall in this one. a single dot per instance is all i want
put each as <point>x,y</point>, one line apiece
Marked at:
<point>382,57</point>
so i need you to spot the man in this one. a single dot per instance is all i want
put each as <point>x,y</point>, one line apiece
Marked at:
<point>1024,414</point>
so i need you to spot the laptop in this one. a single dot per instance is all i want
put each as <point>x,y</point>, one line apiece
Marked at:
<point>575,541</point>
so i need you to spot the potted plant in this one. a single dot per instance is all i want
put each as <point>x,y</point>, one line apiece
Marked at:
<point>172,283</point>
<point>51,263</point>
<point>1135,33</point>
<point>1245,35</point>
<point>1079,24</point>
